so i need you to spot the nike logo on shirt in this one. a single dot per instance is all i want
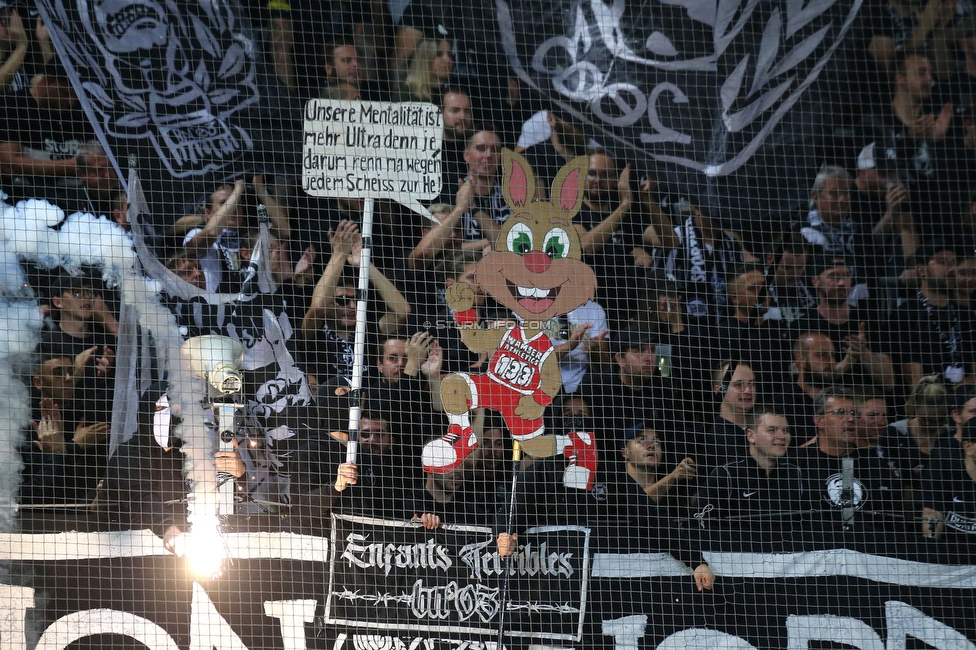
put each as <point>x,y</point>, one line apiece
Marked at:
<point>749,494</point>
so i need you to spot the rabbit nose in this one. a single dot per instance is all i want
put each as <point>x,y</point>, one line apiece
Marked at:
<point>537,262</point>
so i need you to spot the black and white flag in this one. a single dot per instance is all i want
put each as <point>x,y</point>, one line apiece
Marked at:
<point>176,83</point>
<point>686,85</point>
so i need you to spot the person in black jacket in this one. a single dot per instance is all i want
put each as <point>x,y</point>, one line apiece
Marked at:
<point>950,494</point>
<point>762,496</point>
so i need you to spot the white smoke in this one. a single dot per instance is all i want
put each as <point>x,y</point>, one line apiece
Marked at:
<point>26,233</point>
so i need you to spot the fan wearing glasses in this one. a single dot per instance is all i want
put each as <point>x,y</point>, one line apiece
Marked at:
<point>861,492</point>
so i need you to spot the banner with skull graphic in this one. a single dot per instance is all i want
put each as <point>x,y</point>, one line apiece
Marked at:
<point>175,84</point>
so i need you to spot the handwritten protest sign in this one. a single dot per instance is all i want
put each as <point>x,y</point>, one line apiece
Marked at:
<point>376,150</point>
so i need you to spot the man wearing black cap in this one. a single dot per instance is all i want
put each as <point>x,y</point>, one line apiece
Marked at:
<point>744,332</point>
<point>630,392</point>
<point>931,334</point>
<point>42,129</point>
<point>678,339</point>
<point>790,297</point>
<point>850,329</point>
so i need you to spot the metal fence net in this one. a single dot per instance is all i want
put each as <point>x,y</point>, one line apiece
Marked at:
<point>466,326</point>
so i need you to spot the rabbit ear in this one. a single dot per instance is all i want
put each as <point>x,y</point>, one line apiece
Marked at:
<point>567,187</point>
<point>518,182</point>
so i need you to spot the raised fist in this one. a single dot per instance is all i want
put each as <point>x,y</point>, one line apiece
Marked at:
<point>460,297</point>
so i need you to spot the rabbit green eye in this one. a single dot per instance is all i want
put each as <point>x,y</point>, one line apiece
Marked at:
<point>519,239</point>
<point>556,244</point>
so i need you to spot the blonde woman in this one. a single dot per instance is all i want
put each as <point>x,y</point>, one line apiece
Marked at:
<point>907,444</point>
<point>430,70</point>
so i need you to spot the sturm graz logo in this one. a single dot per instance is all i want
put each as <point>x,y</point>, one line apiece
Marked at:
<point>834,487</point>
<point>698,83</point>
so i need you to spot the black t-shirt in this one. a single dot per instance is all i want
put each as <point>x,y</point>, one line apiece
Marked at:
<point>622,516</point>
<point>924,166</point>
<point>902,453</point>
<point>799,410</point>
<point>766,347</point>
<point>57,342</point>
<point>814,322</point>
<point>469,505</point>
<point>722,443</point>
<point>878,339</point>
<point>382,487</point>
<point>935,337</point>
<point>66,478</point>
<point>492,204</point>
<point>610,262</point>
<point>43,134</point>
<point>617,407</point>
<point>790,305</point>
<point>613,265</point>
<point>453,169</point>
<point>876,490</point>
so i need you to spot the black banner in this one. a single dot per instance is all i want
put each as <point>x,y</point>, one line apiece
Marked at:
<point>394,576</point>
<point>178,85</point>
<point>708,92</point>
<point>289,591</point>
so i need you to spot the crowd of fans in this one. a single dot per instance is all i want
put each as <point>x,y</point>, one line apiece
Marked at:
<point>807,373</point>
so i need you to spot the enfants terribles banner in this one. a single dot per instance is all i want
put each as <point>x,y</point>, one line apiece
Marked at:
<point>392,584</point>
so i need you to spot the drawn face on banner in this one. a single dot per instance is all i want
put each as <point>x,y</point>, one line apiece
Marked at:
<point>170,75</point>
<point>648,77</point>
<point>536,268</point>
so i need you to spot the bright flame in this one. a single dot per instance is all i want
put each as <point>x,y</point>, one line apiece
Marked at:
<point>205,547</point>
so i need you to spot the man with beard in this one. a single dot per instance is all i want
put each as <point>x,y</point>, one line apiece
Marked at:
<point>845,325</point>
<point>854,484</point>
<point>373,486</point>
<point>612,231</point>
<point>964,288</point>
<point>790,297</point>
<point>918,139</point>
<point>458,125</point>
<point>931,334</point>
<point>479,207</point>
<point>815,368</point>
<point>631,392</point>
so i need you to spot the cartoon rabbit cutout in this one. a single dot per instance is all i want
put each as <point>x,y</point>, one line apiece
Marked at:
<point>536,271</point>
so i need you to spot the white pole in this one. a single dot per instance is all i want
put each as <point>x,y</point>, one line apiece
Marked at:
<point>359,345</point>
<point>226,416</point>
